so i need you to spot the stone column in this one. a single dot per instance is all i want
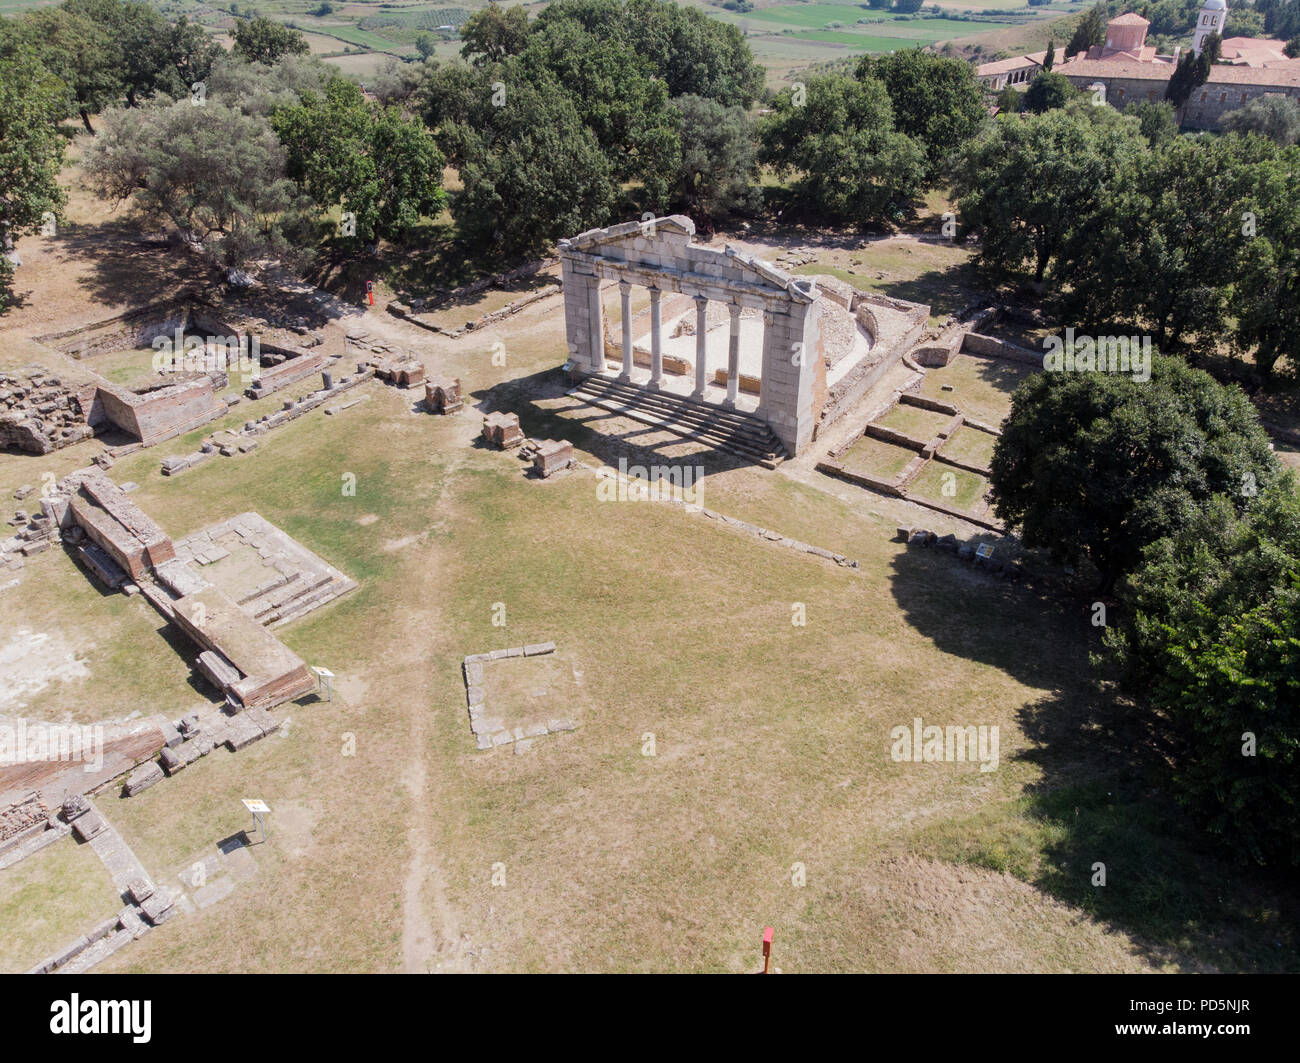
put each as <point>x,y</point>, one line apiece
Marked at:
<point>769,338</point>
<point>625,294</point>
<point>733,356</point>
<point>701,346</point>
<point>597,328</point>
<point>656,344</point>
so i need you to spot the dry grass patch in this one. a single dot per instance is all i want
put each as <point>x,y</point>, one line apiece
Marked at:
<point>971,446</point>
<point>981,387</point>
<point>914,422</point>
<point>949,486</point>
<point>877,458</point>
<point>49,900</point>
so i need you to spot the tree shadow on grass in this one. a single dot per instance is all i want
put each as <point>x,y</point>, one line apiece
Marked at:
<point>128,267</point>
<point>1101,797</point>
<point>946,291</point>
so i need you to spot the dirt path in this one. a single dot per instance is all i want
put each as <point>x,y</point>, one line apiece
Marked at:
<point>432,938</point>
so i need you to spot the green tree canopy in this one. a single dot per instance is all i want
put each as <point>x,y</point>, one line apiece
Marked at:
<point>217,174</point>
<point>494,33</point>
<point>849,162</point>
<point>692,53</point>
<point>374,163</point>
<point>1104,464</point>
<point>719,161</point>
<point>1028,182</point>
<point>263,40</point>
<point>1265,300</point>
<point>1156,119</point>
<point>1047,92</point>
<point>532,171</point>
<point>617,97</point>
<point>1091,29</point>
<point>1163,245</point>
<point>1213,649</point>
<point>1275,117</point>
<point>936,100</point>
<point>32,101</point>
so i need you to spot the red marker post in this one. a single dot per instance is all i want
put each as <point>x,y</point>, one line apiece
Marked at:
<point>767,947</point>
<point>370,292</point>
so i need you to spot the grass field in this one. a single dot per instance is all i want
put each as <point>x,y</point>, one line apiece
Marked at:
<point>951,487</point>
<point>980,385</point>
<point>914,422</point>
<point>771,740</point>
<point>877,458</point>
<point>971,446</point>
<point>49,900</point>
<point>937,274</point>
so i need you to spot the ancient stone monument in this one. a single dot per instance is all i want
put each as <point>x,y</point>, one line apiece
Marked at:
<point>658,254</point>
<point>551,456</point>
<point>502,430</point>
<point>442,394</point>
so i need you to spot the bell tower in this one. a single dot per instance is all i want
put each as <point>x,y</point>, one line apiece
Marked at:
<point>1213,16</point>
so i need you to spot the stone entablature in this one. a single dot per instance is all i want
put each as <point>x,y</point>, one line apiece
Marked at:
<point>658,254</point>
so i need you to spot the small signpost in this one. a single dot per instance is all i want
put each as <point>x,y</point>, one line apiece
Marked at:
<point>984,552</point>
<point>767,947</point>
<point>323,677</point>
<point>259,808</point>
<point>370,292</point>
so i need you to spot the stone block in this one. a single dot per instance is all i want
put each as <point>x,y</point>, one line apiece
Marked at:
<point>559,725</point>
<point>474,695</point>
<point>198,747</point>
<point>552,456</point>
<point>536,649</point>
<point>75,805</point>
<point>158,909</point>
<point>483,742</point>
<point>515,651</point>
<point>242,732</point>
<point>172,761</point>
<point>263,720</point>
<point>89,825</point>
<point>502,430</point>
<point>502,738</point>
<point>474,673</point>
<point>142,778</point>
<point>139,890</point>
<point>535,730</point>
<point>171,736</point>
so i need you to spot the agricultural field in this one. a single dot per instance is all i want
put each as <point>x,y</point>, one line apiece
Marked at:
<point>783,34</point>
<point>785,37</point>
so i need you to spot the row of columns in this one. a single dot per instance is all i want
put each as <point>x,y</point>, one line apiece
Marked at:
<point>701,343</point>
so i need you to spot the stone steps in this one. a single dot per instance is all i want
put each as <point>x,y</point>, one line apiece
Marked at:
<point>704,422</point>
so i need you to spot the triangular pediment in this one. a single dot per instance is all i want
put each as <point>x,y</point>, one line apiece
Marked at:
<point>665,243</point>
